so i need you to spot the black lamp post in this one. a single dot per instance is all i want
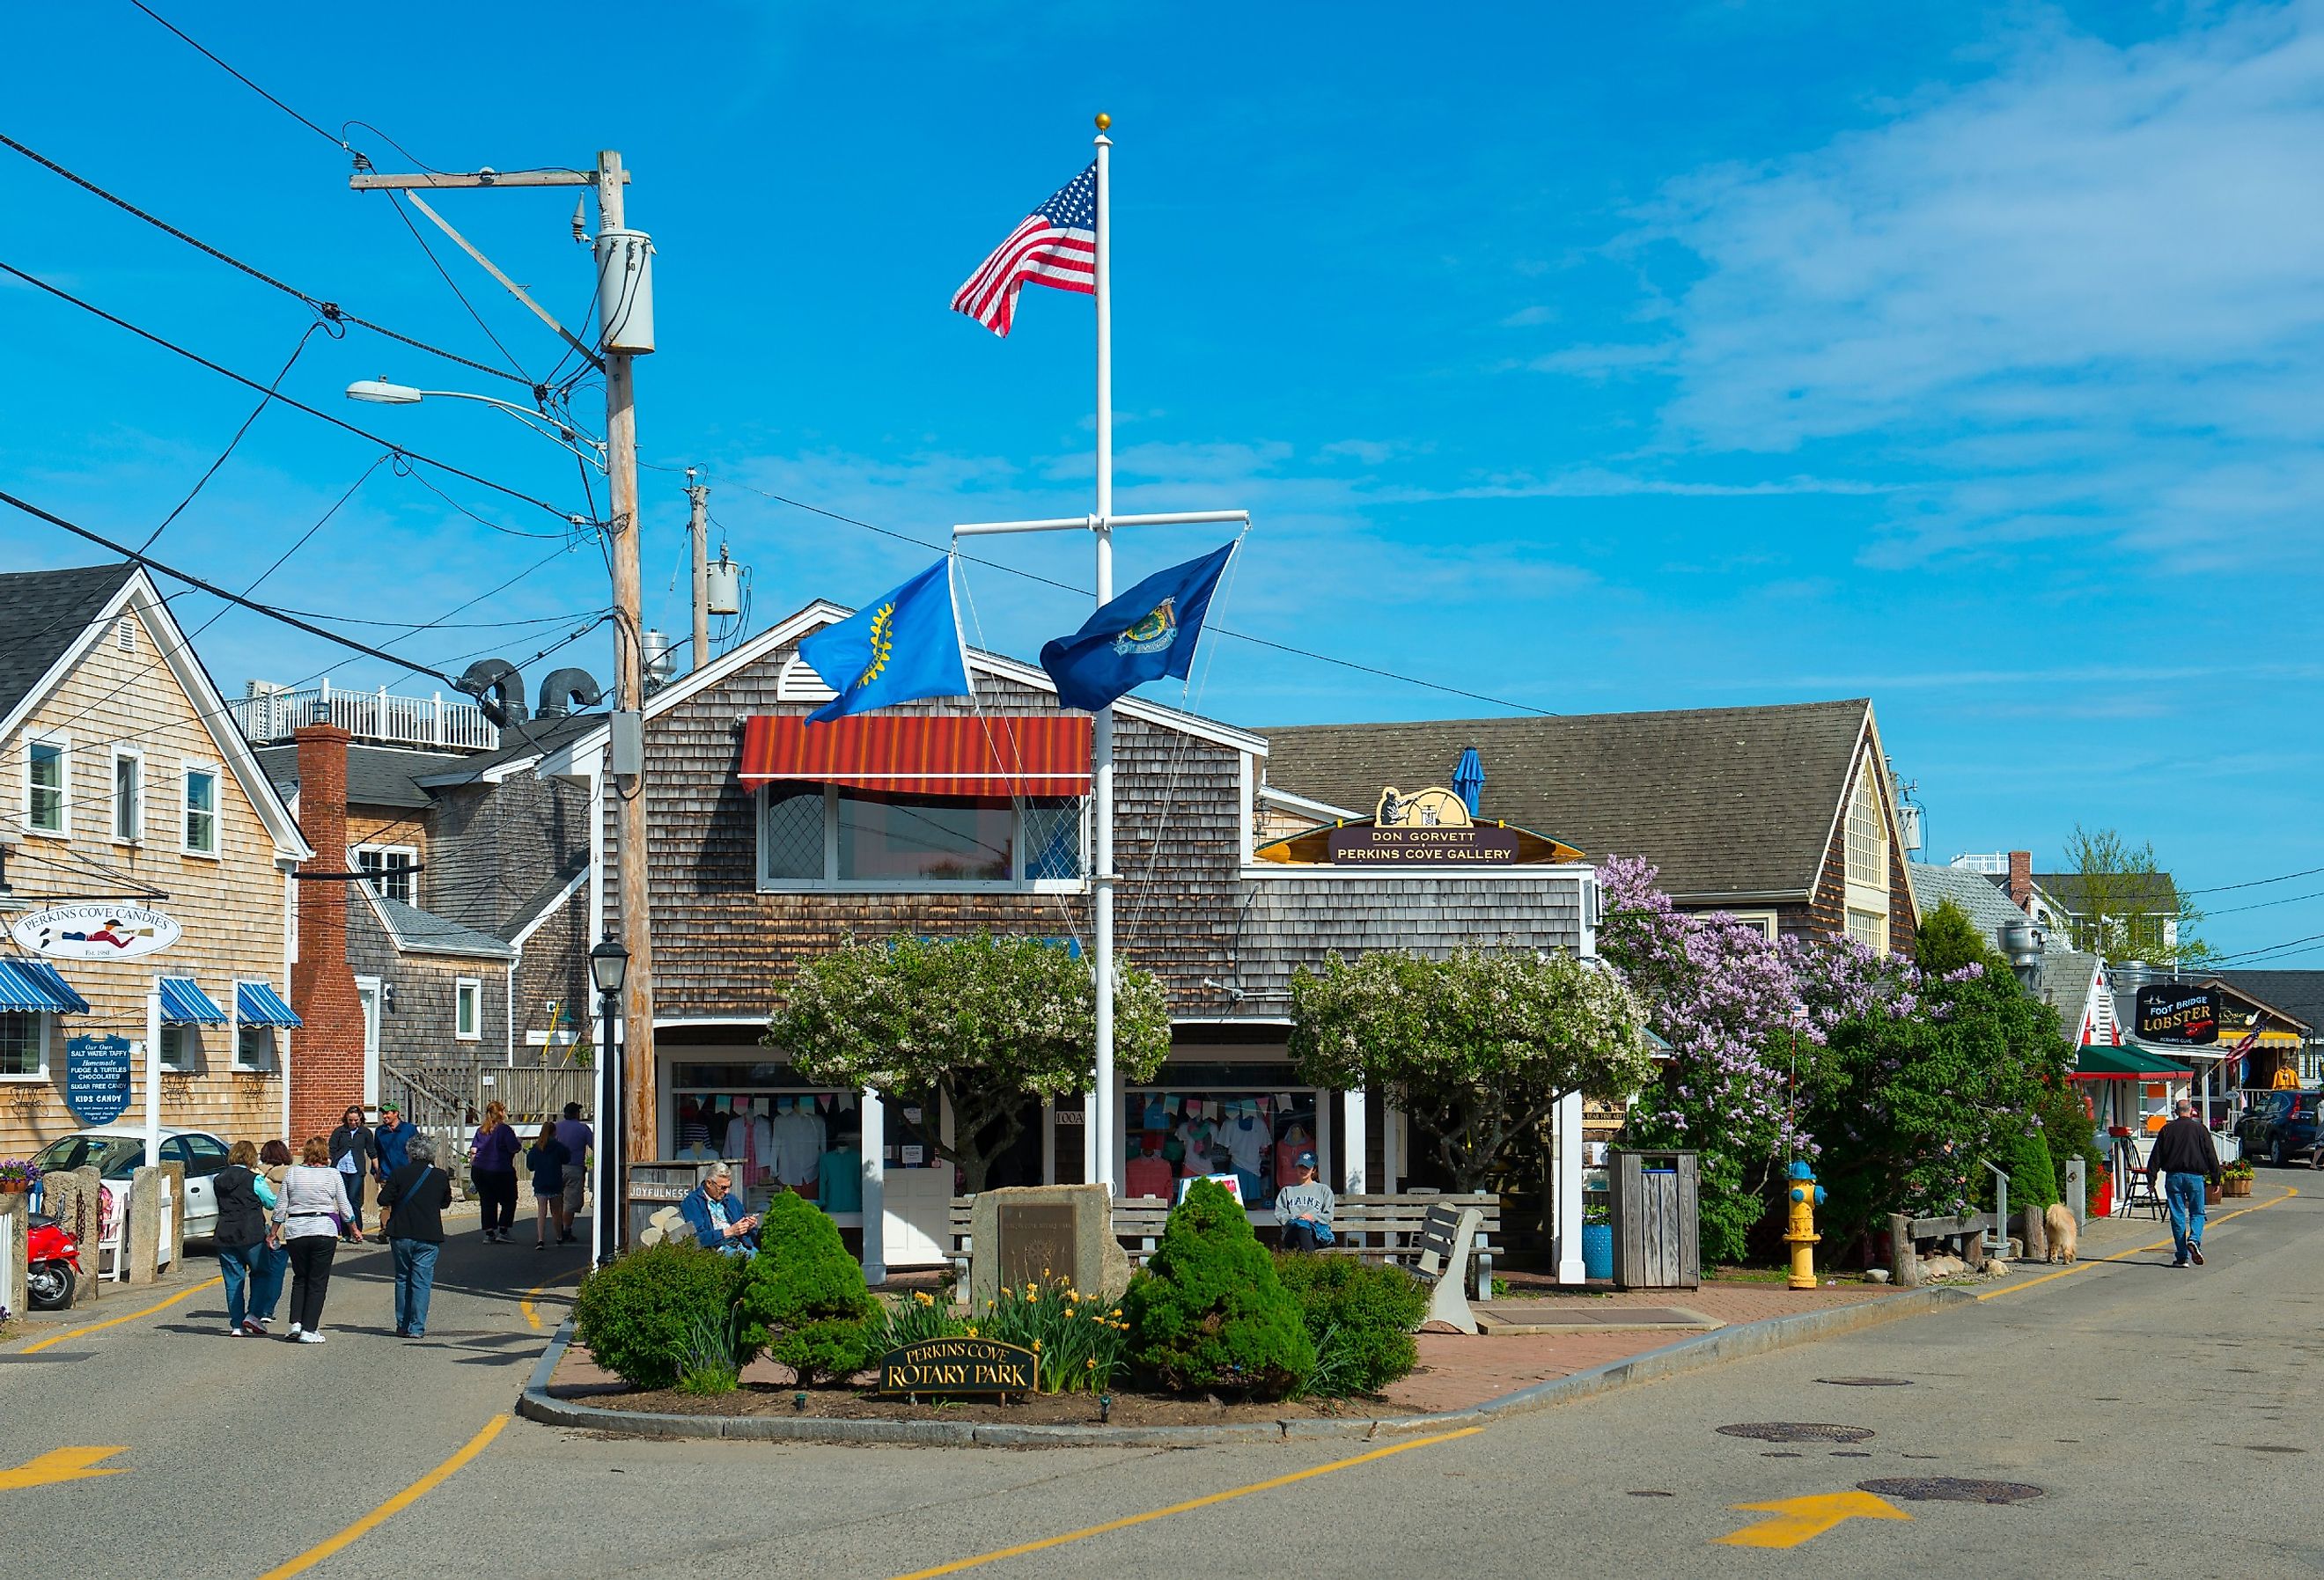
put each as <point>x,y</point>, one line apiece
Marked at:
<point>609,965</point>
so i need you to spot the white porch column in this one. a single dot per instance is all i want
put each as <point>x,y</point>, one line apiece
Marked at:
<point>1089,1138</point>
<point>1352,1149</point>
<point>1567,1163</point>
<point>875,1187</point>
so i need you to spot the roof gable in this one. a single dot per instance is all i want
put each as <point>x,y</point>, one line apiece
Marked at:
<point>1726,801</point>
<point>47,614</point>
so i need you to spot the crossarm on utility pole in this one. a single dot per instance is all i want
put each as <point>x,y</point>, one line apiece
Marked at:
<point>514,289</point>
<point>1093,523</point>
<point>372,180</point>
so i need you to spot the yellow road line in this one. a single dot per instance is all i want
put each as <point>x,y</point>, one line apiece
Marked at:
<point>957,1565</point>
<point>531,1315</point>
<point>392,1507</point>
<point>2289,1192</point>
<point>56,1338</point>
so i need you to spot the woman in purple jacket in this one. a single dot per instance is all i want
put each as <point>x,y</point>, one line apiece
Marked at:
<point>492,1157</point>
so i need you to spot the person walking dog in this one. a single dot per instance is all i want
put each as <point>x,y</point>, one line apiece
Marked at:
<point>2187,1161</point>
<point>411,1203</point>
<point>312,1209</point>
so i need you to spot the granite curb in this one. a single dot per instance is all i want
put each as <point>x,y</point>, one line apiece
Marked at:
<point>1688,1355</point>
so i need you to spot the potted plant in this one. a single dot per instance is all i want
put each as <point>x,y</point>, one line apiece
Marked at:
<point>2238,1177</point>
<point>2102,1192</point>
<point>17,1176</point>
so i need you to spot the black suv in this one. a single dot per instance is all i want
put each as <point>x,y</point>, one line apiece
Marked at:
<point>2280,1126</point>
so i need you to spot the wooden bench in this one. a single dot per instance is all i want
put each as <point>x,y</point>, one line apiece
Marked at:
<point>1137,1223</point>
<point>1905,1233</point>
<point>1394,1228</point>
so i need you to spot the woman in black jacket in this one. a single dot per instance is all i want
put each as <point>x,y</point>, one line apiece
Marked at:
<point>353,1140</point>
<point>244,1198</point>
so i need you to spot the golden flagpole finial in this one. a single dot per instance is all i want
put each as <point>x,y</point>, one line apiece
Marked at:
<point>1104,120</point>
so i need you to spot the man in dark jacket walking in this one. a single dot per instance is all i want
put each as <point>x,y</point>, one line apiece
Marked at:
<point>2187,1161</point>
<point>412,1200</point>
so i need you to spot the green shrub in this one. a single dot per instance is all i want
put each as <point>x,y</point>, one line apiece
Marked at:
<point>1360,1316</point>
<point>804,1298</point>
<point>2032,1180</point>
<point>2070,1133</point>
<point>641,1315</point>
<point>1209,1312</point>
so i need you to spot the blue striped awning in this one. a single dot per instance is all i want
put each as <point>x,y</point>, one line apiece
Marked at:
<point>34,984</point>
<point>259,1004</point>
<point>184,1003</point>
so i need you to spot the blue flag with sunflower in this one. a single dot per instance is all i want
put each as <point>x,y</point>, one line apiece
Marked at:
<point>894,649</point>
<point>1146,633</point>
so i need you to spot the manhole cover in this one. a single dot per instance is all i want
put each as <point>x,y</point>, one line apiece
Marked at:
<point>1948,1488</point>
<point>1797,1432</point>
<point>1868,1381</point>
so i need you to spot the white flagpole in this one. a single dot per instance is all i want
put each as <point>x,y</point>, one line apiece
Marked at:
<point>1098,1135</point>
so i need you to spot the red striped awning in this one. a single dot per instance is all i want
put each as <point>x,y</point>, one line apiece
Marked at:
<point>952,754</point>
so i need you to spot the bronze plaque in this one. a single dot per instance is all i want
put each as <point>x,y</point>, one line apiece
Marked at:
<point>958,1365</point>
<point>1037,1241</point>
<point>1407,846</point>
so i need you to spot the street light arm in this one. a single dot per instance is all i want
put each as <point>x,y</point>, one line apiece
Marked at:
<point>380,392</point>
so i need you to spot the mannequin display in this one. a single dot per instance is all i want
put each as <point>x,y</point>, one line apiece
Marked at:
<point>760,1153</point>
<point>798,1143</point>
<point>1196,1137</point>
<point>839,1176</point>
<point>1246,1139</point>
<point>1149,1173</point>
<point>735,1144</point>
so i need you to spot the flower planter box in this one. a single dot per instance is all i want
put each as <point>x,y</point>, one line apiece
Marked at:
<point>2237,1185</point>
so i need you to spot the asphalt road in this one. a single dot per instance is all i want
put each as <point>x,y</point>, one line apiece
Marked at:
<point>2168,1417</point>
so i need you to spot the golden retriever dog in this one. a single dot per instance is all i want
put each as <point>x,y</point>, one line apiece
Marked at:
<point>2063,1234</point>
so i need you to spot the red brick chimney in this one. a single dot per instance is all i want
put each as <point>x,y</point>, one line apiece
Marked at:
<point>327,1064</point>
<point>2021,876</point>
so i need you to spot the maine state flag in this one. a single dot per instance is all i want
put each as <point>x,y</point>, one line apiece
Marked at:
<point>902,646</point>
<point>1146,633</point>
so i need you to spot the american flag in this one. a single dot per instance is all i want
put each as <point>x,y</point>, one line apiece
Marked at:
<point>1055,244</point>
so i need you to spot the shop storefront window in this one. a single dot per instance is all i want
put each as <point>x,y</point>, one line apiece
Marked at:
<point>926,839</point>
<point>776,1131</point>
<point>1176,1132</point>
<point>813,834</point>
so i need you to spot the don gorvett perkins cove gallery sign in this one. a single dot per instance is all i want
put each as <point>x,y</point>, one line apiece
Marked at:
<point>1427,828</point>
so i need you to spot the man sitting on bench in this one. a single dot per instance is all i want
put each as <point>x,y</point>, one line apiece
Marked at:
<point>1304,1209</point>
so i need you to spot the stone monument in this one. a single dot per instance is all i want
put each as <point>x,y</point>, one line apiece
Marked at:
<point>1045,1233</point>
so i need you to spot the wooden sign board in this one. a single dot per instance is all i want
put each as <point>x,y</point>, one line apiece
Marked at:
<point>947,1366</point>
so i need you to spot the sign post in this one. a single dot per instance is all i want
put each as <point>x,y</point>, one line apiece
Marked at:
<point>153,1075</point>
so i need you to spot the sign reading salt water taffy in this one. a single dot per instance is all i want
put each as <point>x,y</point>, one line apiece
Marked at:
<point>958,1365</point>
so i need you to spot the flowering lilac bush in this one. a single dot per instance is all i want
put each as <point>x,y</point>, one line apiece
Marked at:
<point>1892,1081</point>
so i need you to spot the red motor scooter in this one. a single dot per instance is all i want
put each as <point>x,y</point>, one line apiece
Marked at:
<point>52,1264</point>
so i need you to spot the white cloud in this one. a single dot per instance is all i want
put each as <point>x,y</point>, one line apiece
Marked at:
<point>2088,290</point>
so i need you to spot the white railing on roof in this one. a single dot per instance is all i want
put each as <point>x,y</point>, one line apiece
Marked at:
<point>458,725</point>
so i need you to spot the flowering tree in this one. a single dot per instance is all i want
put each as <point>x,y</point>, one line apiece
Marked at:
<point>1896,1081</point>
<point>1475,1048</point>
<point>983,1023</point>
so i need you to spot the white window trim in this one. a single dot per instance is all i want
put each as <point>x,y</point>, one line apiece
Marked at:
<point>390,855</point>
<point>186,770</point>
<point>235,1030</point>
<point>1765,920</point>
<point>63,831</point>
<point>189,1049</point>
<point>829,884</point>
<point>1879,946</point>
<point>41,1019</point>
<point>113,795</point>
<point>471,988</point>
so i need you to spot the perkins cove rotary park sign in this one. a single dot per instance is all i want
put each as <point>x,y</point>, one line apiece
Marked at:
<point>109,930</point>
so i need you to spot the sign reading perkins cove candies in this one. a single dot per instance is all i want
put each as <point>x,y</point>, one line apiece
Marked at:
<point>107,932</point>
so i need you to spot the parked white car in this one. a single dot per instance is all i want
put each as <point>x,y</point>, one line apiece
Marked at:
<point>117,1151</point>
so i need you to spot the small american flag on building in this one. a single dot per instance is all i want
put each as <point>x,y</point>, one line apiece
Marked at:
<point>1055,244</point>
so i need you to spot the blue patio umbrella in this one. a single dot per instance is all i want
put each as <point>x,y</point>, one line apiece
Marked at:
<point>1469,778</point>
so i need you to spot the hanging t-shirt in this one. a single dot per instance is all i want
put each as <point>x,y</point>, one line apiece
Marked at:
<point>839,1180</point>
<point>1245,1141</point>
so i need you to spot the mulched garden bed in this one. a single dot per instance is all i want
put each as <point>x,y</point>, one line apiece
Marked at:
<point>1043,1409</point>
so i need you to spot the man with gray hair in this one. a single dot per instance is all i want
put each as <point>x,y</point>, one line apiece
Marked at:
<point>710,1213</point>
<point>2187,1161</point>
<point>411,1203</point>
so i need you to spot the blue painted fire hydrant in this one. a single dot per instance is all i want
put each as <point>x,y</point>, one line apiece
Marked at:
<point>1806,1196</point>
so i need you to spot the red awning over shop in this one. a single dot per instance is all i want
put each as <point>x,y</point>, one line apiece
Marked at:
<point>957,755</point>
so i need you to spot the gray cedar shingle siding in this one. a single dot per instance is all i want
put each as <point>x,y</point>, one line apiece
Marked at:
<point>1184,911</point>
<point>1727,801</point>
<point>420,1030</point>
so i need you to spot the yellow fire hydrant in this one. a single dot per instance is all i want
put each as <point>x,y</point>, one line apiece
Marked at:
<point>1806,1195</point>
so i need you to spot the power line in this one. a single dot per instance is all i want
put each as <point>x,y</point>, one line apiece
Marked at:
<point>2256,883</point>
<point>338,143</point>
<point>2264,904</point>
<point>1283,647</point>
<point>365,434</point>
<point>216,591</point>
<point>328,311</point>
<point>202,482</point>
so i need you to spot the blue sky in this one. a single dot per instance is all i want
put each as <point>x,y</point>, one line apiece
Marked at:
<point>1691,355</point>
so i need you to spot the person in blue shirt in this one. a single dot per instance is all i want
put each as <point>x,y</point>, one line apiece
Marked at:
<point>710,1214</point>
<point>392,1143</point>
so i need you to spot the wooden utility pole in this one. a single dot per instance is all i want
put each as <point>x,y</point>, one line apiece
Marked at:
<point>638,1109</point>
<point>626,747</point>
<point>698,527</point>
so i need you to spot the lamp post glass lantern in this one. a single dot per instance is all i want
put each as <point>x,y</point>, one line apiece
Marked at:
<point>609,967</point>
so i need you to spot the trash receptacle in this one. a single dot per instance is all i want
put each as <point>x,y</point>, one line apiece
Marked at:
<point>1657,1220</point>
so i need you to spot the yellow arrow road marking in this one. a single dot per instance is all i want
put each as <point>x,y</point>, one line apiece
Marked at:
<point>1799,1519</point>
<point>60,1465</point>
